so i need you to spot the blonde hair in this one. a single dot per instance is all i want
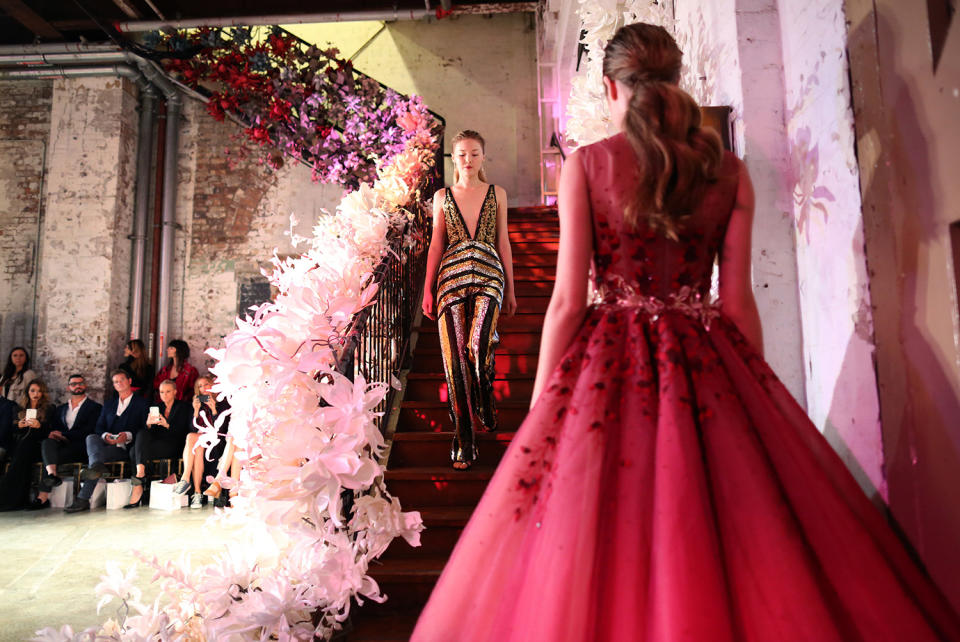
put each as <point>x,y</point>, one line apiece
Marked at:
<point>468,134</point>
<point>677,158</point>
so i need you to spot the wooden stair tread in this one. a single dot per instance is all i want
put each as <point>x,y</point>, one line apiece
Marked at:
<point>440,473</point>
<point>445,515</point>
<point>506,435</point>
<point>510,376</point>
<point>423,569</point>
<point>505,405</point>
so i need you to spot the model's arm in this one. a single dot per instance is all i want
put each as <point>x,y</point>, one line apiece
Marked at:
<point>438,242</point>
<point>568,304</point>
<point>506,254</point>
<point>736,288</point>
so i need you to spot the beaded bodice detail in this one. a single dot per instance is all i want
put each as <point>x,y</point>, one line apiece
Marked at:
<point>457,226</point>
<point>631,264</point>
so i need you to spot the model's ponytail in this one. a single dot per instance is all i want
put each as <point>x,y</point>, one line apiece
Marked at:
<point>468,134</point>
<point>676,157</point>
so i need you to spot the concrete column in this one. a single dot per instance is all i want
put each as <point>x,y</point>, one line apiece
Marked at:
<point>85,246</point>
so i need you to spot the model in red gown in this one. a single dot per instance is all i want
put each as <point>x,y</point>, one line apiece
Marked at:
<point>665,486</point>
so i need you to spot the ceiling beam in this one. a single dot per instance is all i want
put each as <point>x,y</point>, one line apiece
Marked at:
<point>29,19</point>
<point>128,9</point>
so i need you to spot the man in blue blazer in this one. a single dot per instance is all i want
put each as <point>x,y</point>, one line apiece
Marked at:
<point>120,419</point>
<point>74,422</point>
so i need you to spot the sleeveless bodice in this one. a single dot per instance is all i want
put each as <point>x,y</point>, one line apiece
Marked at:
<point>470,265</point>
<point>643,261</point>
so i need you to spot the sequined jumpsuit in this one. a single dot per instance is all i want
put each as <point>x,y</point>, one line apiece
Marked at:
<point>470,286</point>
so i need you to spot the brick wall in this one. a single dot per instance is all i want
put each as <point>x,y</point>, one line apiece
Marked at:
<point>85,266</point>
<point>24,127</point>
<point>234,213</point>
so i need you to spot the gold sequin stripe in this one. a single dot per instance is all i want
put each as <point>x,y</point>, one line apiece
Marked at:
<point>451,326</point>
<point>483,342</point>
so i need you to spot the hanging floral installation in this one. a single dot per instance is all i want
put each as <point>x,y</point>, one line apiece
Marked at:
<point>307,102</point>
<point>588,119</point>
<point>297,553</point>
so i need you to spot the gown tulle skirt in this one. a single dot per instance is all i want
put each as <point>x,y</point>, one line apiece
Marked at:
<point>666,487</point>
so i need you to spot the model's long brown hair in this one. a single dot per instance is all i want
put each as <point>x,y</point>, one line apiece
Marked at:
<point>677,158</point>
<point>468,134</point>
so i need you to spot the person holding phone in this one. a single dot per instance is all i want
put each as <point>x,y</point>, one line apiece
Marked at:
<point>121,418</point>
<point>32,426</point>
<point>196,458</point>
<point>162,437</point>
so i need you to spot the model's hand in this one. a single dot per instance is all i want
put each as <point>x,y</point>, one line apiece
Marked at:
<point>109,439</point>
<point>196,406</point>
<point>56,434</point>
<point>33,423</point>
<point>509,304</point>
<point>428,306</point>
<point>121,438</point>
<point>211,403</point>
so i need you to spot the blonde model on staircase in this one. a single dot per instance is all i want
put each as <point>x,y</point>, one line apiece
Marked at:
<point>469,279</point>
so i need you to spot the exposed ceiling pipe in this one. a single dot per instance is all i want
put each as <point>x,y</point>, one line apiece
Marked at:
<point>79,71</point>
<point>141,211</point>
<point>170,157</point>
<point>275,19</point>
<point>58,47</point>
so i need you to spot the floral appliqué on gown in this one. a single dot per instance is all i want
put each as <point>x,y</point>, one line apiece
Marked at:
<point>666,487</point>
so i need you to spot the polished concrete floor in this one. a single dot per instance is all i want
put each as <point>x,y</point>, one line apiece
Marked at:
<point>50,562</point>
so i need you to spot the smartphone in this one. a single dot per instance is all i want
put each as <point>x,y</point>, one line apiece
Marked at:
<point>154,411</point>
<point>203,398</point>
<point>31,413</point>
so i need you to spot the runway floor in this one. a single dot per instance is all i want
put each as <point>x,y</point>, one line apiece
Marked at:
<point>50,562</point>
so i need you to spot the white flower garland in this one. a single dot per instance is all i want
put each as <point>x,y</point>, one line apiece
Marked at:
<point>588,119</point>
<point>295,562</point>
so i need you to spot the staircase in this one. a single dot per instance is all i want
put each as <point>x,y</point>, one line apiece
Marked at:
<point>418,469</point>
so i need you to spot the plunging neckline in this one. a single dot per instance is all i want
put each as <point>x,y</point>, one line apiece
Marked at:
<point>483,203</point>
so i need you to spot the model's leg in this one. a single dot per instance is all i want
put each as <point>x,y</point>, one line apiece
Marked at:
<point>453,327</point>
<point>483,343</point>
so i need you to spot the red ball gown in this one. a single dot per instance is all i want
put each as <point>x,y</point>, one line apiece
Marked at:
<point>666,487</point>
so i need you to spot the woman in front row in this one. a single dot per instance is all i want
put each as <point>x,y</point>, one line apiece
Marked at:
<point>31,427</point>
<point>665,486</point>
<point>469,277</point>
<point>162,438</point>
<point>197,459</point>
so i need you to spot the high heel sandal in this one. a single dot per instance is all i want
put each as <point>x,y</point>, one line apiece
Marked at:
<point>459,457</point>
<point>213,490</point>
<point>142,482</point>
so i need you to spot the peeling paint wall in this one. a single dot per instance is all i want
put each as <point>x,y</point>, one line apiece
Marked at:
<point>233,212</point>
<point>24,130</point>
<point>85,250</point>
<point>478,72</point>
<point>842,397</point>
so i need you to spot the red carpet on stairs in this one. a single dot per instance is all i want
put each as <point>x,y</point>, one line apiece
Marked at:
<point>419,471</point>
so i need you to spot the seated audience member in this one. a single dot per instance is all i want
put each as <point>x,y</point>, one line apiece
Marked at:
<point>8,412</point>
<point>33,425</point>
<point>229,466</point>
<point>197,460</point>
<point>178,369</point>
<point>163,437</point>
<point>121,418</point>
<point>73,422</point>
<point>16,374</point>
<point>138,366</point>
